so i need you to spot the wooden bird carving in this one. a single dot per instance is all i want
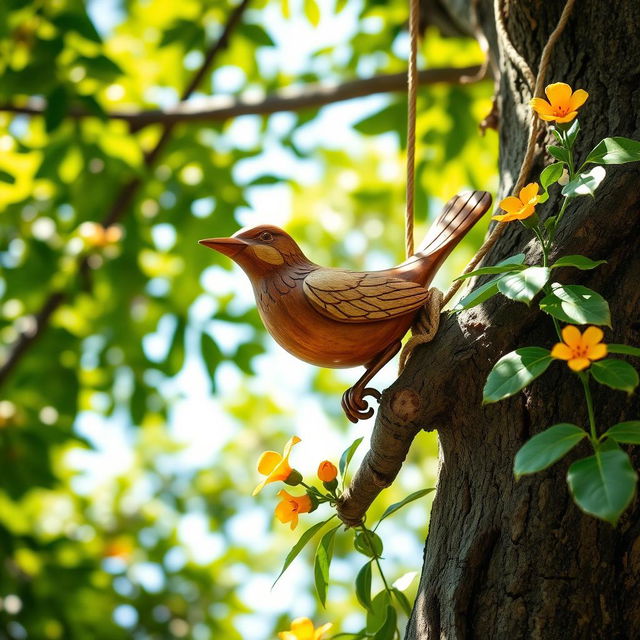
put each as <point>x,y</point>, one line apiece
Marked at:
<point>338,318</point>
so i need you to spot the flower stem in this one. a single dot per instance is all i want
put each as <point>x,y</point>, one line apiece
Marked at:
<point>545,255</point>
<point>561,213</point>
<point>584,377</point>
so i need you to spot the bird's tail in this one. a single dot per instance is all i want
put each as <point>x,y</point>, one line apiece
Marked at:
<point>455,220</point>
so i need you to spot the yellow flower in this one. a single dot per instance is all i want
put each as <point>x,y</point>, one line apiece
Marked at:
<point>580,349</point>
<point>275,466</point>
<point>288,509</point>
<point>303,629</point>
<point>563,103</point>
<point>521,207</point>
<point>327,471</point>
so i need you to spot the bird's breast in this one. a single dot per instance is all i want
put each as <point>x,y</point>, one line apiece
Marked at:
<point>310,336</point>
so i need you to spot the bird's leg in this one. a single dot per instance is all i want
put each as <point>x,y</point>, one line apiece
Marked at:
<point>353,400</point>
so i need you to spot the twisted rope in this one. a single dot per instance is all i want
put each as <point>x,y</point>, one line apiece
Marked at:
<point>412,90</point>
<point>429,316</point>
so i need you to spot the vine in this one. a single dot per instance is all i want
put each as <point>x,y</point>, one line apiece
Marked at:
<point>603,484</point>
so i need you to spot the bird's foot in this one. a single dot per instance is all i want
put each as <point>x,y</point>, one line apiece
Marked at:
<point>354,404</point>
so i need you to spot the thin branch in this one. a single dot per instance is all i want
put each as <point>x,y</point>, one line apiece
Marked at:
<point>122,201</point>
<point>29,336</point>
<point>220,108</point>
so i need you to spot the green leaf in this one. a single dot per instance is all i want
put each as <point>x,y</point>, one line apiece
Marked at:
<point>245,354</point>
<point>546,448</point>
<point>266,179</point>
<point>392,118</point>
<point>57,107</point>
<point>479,295</point>
<point>211,356</point>
<point>300,545</point>
<point>388,629</point>
<point>624,349</point>
<point>616,374</point>
<point>402,600</point>
<point>312,12</point>
<point>572,133</point>
<point>183,31</point>
<point>624,432</point>
<point>376,616</point>
<point>513,263</point>
<point>175,355</point>
<point>579,262</point>
<point>346,456</point>
<point>559,153</point>
<point>576,304</point>
<point>525,285</point>
<point>100,67</point>
<point>615,151</point>
<point>256,34</point>
<point>78,22</point>
<point>363,586</point>
<point>322,563</point>
<point>93,106</point>
<point>6,177</point>
<point>603,485</point>
<point>398,505</point>
<point>585,184</point>
<point>515,371</point>
<point>340,5</point>
<point>550,175</point>
<point>368,543</point>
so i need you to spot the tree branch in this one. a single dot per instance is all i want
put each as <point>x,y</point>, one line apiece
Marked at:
<point>220,108</point>
<point>122,201</point>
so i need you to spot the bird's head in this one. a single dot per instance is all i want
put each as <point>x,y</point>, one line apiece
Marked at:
<point>258,250</point>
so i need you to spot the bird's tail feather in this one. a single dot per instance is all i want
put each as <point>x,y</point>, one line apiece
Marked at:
<point>455,220</point>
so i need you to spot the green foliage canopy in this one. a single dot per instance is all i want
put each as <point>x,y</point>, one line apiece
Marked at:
<point>100,489</point>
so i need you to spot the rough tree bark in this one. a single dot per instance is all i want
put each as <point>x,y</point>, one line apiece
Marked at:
<point>506,559</point>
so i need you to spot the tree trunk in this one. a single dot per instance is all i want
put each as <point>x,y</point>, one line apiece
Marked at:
<point>507,559</point>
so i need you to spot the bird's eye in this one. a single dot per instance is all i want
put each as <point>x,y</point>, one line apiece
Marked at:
<point>265,236</point>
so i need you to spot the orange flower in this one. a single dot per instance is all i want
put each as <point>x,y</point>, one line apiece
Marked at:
<point>97,236</point>
<point>327,471</point>
<point>288,509</point>
<point>521,207</point>
<point>563,103</point>
<point>303,629</point>
<point>580,349</point>
<point>275,466</point>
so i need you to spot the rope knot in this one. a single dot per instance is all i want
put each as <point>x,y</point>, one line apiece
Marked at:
<point>425,326</point>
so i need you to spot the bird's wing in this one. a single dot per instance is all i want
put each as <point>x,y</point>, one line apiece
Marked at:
<point>350,296</point>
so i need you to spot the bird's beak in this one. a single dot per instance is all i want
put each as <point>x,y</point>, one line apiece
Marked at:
<point>228,246</point>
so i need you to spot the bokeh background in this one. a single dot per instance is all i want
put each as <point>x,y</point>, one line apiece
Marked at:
<point>131,425</point>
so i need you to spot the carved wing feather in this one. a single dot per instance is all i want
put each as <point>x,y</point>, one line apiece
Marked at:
<point>361,297</point>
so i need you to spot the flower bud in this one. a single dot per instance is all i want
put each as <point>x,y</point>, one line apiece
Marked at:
<point>327,471</point>
<point>314,501</point>
<point>564,178</point>
<point>294,478</point>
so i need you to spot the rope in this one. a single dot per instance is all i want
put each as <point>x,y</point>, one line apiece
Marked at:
<point>429,316</point>
<point>412,89</point>
<point>425,326</point>
<point>507,45</point>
